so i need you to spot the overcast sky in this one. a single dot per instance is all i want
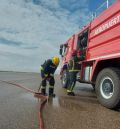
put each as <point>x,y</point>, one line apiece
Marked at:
<point>32,30</point>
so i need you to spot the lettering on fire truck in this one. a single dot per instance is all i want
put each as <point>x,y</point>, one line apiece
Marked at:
<point>107,25</point>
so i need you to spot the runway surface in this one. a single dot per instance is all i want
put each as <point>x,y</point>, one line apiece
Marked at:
<point>19,109</point>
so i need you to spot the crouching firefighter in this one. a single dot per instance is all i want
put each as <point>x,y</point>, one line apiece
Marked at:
<point>47,74</point>
<point>73,68</point>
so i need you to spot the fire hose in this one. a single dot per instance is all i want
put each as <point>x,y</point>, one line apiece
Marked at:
<point>36,94</point>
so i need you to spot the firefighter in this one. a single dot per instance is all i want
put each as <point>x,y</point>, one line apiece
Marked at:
<point>47,74</point>
<point>73,70</point>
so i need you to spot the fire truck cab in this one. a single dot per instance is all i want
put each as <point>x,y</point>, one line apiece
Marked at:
<point>98,50</point>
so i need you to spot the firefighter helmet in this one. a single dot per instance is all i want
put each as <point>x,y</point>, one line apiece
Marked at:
<point>55,60</point>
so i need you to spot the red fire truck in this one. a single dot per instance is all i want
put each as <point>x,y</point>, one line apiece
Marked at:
<point>98,47</point>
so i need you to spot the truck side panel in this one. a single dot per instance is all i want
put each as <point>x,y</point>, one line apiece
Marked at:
<point>104,37</point>
<point>115,7</point>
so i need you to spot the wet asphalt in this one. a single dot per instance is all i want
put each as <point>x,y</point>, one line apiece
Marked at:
<point>20,109</point>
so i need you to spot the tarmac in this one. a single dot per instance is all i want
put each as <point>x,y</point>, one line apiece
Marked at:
<point>19,109</point>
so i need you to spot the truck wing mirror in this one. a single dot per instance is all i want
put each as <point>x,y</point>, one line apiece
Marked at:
<point>61,50</point>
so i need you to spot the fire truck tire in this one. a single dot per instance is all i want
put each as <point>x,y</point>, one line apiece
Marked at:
<point>93,86</point>
<point>65,79</point>
<point>108,87</point>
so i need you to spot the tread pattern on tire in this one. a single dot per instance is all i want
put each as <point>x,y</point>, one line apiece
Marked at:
<point>117,72</point>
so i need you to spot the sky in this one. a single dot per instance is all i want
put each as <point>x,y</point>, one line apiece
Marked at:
<point>31,31</point>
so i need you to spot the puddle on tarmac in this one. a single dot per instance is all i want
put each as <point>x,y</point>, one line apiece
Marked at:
<point>62,102</point>
<point>54,102</point>
<point>59,102</point>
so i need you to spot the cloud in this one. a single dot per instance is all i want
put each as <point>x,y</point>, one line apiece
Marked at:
<point>32,30</point>
<point>9,42</point>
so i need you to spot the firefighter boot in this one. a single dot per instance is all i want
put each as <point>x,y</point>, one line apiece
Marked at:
<point>51,90</point>
<point>71,93</point>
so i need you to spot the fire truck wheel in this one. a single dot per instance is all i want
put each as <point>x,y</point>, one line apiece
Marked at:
<point>65,79</point>
<point>93,86</point>
<point>108,87</point>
